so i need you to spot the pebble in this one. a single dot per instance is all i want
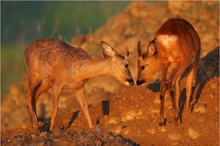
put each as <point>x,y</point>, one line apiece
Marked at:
<point>118,129</point>
<point>163,129</point>
<point>212,96</point>
<point>33,135</point>
<point>199,107</point>
<point>43,133</point>
<point>130,115</point>
<point>126,131</point>
<point>174,136</point>
<point>194,134</point>
<point>56,140</point>
<point>114,120</point>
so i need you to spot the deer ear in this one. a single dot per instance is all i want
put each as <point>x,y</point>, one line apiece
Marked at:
<point>107,50</point>
<point>127,49</point>
<point>151,50</point>
<point>139,48</point>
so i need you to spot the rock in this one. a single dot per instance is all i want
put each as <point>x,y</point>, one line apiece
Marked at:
<point>114,120</point>
<point>43,133</point>
<point>33,135</point>
<point>163,129</point>
<point>174,136</point>
<point>56,140</point>
<point>126,131</point>
<point>212,96</point>
<point>199,107</point>
<point>130,115</point>
<point>118,129</point>
<point>194,134</point>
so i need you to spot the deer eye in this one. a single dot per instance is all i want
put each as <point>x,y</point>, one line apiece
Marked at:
<point>126,65</point>
<point>142,67</point>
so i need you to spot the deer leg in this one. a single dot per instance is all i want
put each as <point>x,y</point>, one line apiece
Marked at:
<point>30,101</point>
<point>164,68</point>
<point>55,98</point>
<point>190,80</point>
<point>177,97</point>
<point>171,90</point>
<point>30,98</point>
<point>179,68</point>
<point>80,95</point>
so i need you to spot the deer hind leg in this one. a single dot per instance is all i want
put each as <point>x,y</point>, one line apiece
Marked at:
<point>80,95</point>
<point>164,69</point>
<point>190,80</point>
<point>177,97</point>
<point>31,97</point>
<point>179,68</point>
<point>55,99</point>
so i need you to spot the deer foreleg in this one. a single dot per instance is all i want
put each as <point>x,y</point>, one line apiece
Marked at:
<point>80,95</point>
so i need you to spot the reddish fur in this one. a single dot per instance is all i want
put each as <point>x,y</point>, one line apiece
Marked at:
<point>176,45</point>
<point>54,64</point>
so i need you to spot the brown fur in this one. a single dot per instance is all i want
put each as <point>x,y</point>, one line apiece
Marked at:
<point>176,46</point>
<point>54,64</point>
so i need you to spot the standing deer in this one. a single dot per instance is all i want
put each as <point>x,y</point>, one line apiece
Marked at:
<point>176,46</point>
<point>54,64</point>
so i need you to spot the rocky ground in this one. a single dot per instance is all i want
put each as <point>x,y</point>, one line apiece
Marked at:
<point>124,115</point>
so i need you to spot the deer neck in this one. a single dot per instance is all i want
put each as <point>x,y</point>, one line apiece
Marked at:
<point>94,68</point>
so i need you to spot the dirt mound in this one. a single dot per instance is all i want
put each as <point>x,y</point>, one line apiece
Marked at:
<point>124,115</point>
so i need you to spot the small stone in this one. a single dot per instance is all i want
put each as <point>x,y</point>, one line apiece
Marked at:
<point>199,107</point>
<point>33,136</point>
<point>212,96</point>
<point>174,136</point>
<point>163,129</point>
<point>126,131</point>
<point>56,140</point>
<point>194,134</point>
<point>43,133</point>
<point>118,129</point>
<point>114,120</point>
<point>130,115</point>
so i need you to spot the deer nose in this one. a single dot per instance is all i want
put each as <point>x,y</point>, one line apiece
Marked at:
<point>140,82</point>
<point>130,81</point>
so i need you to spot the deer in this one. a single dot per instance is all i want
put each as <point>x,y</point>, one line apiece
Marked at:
<point>53,64</point>
<point>175,50</point>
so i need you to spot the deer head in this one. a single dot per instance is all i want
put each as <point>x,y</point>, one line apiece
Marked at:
<point>119,64</point>
<point>148,63</point>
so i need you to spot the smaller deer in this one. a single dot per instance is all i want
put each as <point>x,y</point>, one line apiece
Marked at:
<point>54,64</point>
<point>176,46</point>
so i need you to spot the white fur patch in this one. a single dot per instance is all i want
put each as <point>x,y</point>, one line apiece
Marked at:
<point>167,39</point>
